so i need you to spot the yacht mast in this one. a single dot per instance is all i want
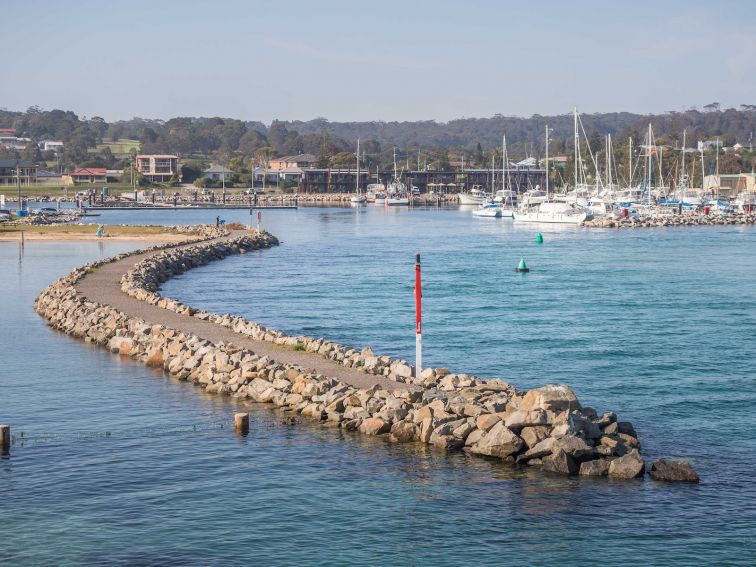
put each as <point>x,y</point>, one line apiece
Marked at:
<point>547,162</point>
<point>358,167</point>
<point>577,147</point>
<point>630,165</point>
<point>648,164</point>
<point>682,175</point>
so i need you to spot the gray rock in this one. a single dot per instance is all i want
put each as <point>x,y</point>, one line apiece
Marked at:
<point>374,426</point>
<point>534,435</point>
<point>627,466</point>
<point>552,397</point>
<point>597,467</point>
<point>673,471</point>
<point>560,462</point>
<point>499,441</point>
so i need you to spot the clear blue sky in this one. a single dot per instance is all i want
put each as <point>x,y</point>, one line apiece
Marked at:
<point>386,60</point>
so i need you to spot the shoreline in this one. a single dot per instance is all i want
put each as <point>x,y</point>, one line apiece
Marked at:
<point>355,390</point>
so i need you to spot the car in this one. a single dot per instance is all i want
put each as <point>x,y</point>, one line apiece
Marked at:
<point>5,215</point>
<point>48,211</point>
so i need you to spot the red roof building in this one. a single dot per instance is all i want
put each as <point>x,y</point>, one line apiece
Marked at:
<point>89,175</point>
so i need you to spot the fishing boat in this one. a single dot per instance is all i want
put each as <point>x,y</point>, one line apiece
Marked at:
<point>396,194</point>
<point>476,196</point>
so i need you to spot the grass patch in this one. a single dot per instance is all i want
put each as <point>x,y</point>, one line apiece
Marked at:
<point>120,147</point>
<point>299,345</point>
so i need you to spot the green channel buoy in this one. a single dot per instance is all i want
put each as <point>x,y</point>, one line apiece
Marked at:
<point>522,267</point>
<point>539,238</point>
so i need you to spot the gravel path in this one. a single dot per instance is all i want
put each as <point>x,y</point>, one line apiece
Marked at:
<point>104,286</point>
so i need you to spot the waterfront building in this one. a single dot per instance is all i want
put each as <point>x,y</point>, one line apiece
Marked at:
<point>301,161</point>
<point>13,171</point>
<point>157,168</point>
<point>316,180</point>
<point>730,185</point>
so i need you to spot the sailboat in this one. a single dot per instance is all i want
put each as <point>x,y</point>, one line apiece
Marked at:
<point>549,211</point>
<point>359,198</point>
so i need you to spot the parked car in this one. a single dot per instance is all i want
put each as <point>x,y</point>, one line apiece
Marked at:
<point>5,215</point>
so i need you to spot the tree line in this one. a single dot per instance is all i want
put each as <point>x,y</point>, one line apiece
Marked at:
<point>242,145</point>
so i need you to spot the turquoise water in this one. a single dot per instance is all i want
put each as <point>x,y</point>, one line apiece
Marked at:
<point>658,325</point>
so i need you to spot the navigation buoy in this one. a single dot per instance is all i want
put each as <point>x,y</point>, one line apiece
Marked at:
<point>522,267</point>
<point>539,238</point>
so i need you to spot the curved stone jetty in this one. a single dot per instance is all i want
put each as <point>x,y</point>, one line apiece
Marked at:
<point>115,303</point>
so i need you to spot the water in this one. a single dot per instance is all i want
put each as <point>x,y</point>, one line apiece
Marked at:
<point>657,325</point>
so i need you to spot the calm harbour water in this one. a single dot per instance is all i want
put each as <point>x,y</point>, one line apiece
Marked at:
<point>658,325</point>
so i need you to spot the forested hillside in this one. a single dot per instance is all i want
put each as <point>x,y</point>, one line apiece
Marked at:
<point>247,143</point>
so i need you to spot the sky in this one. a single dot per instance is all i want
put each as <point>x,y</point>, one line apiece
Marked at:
<point>388,60</point>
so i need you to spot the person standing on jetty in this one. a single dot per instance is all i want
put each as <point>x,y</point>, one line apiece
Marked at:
<point>217,221</point>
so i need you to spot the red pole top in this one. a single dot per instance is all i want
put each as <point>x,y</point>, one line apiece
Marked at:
<point>418,297</point>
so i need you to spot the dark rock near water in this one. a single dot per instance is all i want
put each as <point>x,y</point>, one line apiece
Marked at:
<point>673,471</point>
<point>561,463</point>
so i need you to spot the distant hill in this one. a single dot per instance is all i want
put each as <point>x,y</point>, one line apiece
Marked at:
<point>95,140</point>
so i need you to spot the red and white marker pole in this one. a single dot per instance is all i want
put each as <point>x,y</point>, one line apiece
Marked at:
<point>418,318</point>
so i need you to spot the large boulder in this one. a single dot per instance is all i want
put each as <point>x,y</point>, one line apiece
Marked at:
<point>597,467</point>
<point>560,462</point>
<point>534,435</point>
<point>523,418</point>
<point>404,432</point>
<point>575,447</point>
<point>555,398</point>
<point>630,465</point>
<point>499,441</point>
<point>374,426</point>
<point>673,471</point>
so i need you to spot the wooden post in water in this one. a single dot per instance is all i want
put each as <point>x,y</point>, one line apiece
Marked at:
<point>5,439</point>
<point>241,423</point>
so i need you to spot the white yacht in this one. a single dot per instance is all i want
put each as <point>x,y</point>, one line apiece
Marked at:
<point>490,210</point>
<point>551,212</point>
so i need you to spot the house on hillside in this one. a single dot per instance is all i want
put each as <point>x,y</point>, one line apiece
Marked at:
<point>14,143</point>
<point>89,175</point>
<point>53,145</point>
<point>301,161</point>
<point>13,171</point>
<point>157,168</point>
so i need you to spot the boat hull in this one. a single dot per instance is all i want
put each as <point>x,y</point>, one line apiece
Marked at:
<point>552,218</point>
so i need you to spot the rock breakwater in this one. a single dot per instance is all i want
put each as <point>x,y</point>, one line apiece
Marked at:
<point>545,427</point>
<point>615,221</point>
